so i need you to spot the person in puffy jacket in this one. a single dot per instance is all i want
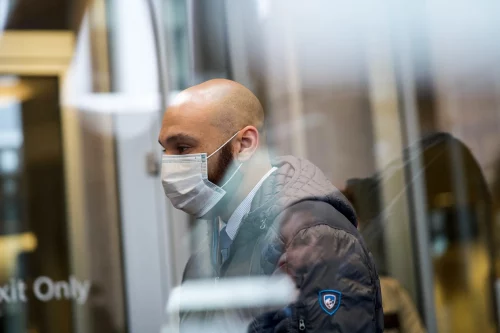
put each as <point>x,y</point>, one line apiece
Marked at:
<point>268,216</point>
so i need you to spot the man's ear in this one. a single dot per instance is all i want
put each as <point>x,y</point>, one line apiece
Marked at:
<point>249,142</point>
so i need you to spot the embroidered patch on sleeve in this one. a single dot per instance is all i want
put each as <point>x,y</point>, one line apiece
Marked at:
<point>329,300</point>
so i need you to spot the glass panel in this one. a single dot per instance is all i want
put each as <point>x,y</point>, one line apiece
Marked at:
<point>33,216</point>
<point>398,107</point>
<point>177,43</point>
<point>395,107</point>
<point>43,281</point>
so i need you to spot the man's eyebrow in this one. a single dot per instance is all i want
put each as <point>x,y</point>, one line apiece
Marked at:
<point>180,137</point>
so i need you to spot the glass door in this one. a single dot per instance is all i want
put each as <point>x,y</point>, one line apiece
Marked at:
<point>35,279</point>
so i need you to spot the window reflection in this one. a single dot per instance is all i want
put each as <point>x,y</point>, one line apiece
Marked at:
<point>345,87</point>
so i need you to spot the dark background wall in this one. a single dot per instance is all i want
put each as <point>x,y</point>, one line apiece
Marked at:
<point>46,14</point>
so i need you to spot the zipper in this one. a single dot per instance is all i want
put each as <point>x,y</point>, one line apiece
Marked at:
<point>263,224</point>
<point>302,324</point>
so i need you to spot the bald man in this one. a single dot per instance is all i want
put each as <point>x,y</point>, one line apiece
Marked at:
<point>268,216</point>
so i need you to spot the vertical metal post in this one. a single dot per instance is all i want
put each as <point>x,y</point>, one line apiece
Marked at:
<point>411,131</point>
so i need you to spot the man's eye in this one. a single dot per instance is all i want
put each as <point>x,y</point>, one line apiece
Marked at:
<point>182,149</point>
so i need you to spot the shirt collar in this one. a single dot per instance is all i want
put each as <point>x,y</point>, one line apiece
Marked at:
<point>244,207</point>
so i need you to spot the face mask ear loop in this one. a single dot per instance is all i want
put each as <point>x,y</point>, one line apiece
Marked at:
<point>225,143</point>
<point>234,173</point>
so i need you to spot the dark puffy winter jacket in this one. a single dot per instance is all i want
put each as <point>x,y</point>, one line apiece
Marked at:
<point>302,225</point>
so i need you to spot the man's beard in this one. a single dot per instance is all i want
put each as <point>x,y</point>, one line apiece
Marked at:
<point>224,169</point>
<point>223,165</point>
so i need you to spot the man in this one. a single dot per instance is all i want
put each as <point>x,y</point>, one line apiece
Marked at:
<point>281,215</point>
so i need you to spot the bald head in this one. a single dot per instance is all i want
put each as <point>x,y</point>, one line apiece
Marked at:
<point>224,120</point>
<point>228,105</point>
<point>203,118</point>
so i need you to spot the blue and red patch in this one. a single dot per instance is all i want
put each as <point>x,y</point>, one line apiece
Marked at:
<point>329,300</point>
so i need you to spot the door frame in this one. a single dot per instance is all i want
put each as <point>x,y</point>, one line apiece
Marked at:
<point>50,53</point>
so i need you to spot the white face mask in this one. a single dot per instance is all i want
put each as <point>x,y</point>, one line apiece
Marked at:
<point>185,182</point>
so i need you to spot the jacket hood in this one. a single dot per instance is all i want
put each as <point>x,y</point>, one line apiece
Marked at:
<point>296,180</point>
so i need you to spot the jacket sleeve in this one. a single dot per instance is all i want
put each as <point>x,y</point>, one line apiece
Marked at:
<point>338,283</point>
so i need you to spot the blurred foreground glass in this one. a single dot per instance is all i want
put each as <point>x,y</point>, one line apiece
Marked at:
<point>350,86</point>
<point>347,85</point>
